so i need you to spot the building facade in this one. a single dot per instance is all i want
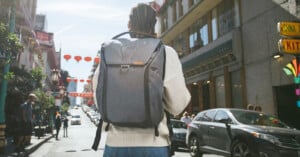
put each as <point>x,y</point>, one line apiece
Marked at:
<point>226,48</point>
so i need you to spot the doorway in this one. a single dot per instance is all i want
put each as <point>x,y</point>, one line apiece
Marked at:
<point>286,105</point>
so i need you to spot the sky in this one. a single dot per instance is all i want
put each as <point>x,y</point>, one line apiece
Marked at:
<point>80,26</point>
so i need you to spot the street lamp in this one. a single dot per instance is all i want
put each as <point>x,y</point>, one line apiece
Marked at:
<point>55,75</point>
<point>277,55</point>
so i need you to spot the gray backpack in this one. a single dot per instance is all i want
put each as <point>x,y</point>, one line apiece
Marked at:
<point>130,83</point>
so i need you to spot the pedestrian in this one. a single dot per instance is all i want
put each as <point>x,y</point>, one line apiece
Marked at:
<point>250,107</point>
<point>258,108</point>
<point>57,123</point>
<point>137,142</point>
<point>65,125</point>
<point>26,122</point>
<point>186,118</point>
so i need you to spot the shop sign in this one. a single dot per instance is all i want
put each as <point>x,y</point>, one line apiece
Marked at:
<point>290,46</point>
<point>290,29</point>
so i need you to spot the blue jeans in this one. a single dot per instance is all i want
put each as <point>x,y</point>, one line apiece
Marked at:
<point>136,151</point>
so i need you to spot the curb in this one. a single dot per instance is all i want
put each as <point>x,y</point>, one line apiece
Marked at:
<point>29,149</point>
<point>34,147</point>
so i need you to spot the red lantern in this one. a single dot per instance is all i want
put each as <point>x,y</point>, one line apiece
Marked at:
<point>97,60</point>
<point>69,79</point>
<point>81,80</point>
<point>67,57</point>
<point>88,80</point>
<point>75,80</point>
<point>87,59</point>
<point>77,58</point>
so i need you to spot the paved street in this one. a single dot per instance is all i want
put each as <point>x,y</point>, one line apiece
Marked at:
<point>79,141</point>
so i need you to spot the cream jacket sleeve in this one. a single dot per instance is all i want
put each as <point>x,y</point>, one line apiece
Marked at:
<point>176,94</point>
<point>95,82</point>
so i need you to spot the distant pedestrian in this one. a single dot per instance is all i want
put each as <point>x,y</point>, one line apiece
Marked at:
<point>186,118</point>
<point>57,123</point>
<point>250,107</point>
<point>65,125</point>
<point>258,108</point>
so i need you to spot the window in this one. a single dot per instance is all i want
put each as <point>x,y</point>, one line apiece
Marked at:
<point>236,89</point>
<point>174,10</point>
<point>207,116</point>
<point>221,115</point>
<point>179,45</point>
<point>203,31</point>
<point>214,24</point>
<point>164,22</point>
<point>220,91</point>
<point>226,16</point>
<point>180,8</point>
<point>191,3</point>
<point>199,34</point>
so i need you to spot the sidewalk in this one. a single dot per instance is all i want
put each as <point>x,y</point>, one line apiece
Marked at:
<point>35,143</point>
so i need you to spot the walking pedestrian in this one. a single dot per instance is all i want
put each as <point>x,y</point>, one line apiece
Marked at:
<point>65,122</point>
<point>137,142</point>
<point>57,123</point>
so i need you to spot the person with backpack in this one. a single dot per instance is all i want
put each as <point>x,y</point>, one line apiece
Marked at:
<point>138,82</point>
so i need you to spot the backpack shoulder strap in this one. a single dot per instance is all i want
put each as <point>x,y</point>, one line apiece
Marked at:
<point>98,135</point>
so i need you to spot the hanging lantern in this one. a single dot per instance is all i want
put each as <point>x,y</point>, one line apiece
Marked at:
<point>78,58</point>
<point>88,80</point>
<point>97,60</point>
<point>81,80</point>
<point>87,59</point>
<point>75,80</point>
<point>69,79</point>
<point>67,57</point>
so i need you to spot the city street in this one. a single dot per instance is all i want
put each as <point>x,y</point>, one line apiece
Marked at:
<point>79,141</point>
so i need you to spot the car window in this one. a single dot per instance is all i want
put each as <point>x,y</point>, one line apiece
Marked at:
<point>221,115</point>
<point>206,116</point>
<point>257,118</point>
<point>76,116</point>
<point>178,124</point>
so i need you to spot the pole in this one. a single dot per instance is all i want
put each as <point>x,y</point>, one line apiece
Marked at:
<point>4,81</point>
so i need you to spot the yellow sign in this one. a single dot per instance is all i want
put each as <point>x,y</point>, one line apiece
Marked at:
<point>291,29</point>
<point>290,46</point>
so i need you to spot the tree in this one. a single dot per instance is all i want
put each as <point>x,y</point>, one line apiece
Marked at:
<point>37,75</point>
<point>9,43</point>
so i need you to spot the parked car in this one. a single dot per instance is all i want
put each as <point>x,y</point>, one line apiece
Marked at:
<point>243,133</point>
<point>75,120</point>
<point>179,133</point>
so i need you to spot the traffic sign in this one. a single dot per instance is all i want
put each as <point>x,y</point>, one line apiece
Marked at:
<point>290,29</point>
<point>290,46</point>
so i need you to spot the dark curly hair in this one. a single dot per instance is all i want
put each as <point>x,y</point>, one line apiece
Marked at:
<point>142,20</point>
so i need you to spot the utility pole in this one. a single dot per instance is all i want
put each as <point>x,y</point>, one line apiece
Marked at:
<point>4,81</point>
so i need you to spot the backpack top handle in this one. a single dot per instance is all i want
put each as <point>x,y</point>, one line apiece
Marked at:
<point>137,33</point>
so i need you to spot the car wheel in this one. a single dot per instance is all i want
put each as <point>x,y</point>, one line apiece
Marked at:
<point>240,149</point>
<point>194,147</point>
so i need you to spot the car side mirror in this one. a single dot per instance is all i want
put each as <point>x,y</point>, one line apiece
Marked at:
<point>225,121</point>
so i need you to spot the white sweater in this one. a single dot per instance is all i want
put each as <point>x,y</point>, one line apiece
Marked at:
<point>176,96</point>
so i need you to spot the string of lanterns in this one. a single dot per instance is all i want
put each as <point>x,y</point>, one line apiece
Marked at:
<point>83,95</point>
<point>67,57</point>
<point>69,79</point>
